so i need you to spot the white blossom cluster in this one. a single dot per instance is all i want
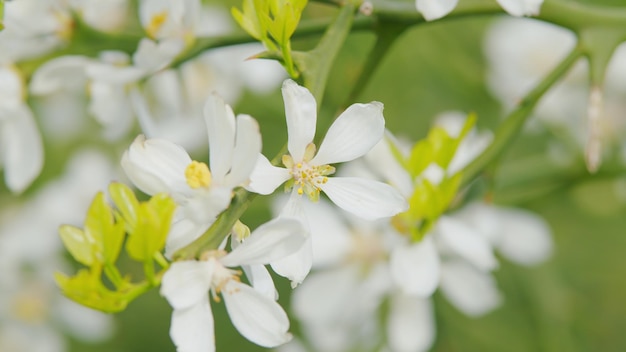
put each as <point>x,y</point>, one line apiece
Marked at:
<point>333,237</point>
<point>367,268</point>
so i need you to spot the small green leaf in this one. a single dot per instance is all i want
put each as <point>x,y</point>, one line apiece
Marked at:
<point>87,289</point>
<point>443,146</point>
<point>448,189</point>
<point>421,156</point>
<point>1,15</point>
<point>153,225</point>
<point>102,230</point>
<point>77,244</point>
<point>249,18</point>
<point>126,203</point>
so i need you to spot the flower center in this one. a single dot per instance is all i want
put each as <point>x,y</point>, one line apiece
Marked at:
<point>307,178</point>
<point>30,307</point>
<point>221,274</point>
<point>198,175</point>
<point>156,22</point>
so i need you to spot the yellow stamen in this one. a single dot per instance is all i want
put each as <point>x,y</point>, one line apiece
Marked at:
<point>198,175</point>
<point>156,22</point>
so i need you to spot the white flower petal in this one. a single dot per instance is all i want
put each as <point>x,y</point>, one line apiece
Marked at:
<point>353,134</point>
<point>203,206</point>
<point>484,218</point>
<point>301,114</point>
<point>183,232</point>
<point>220,122</point>
<point>411,326</point>
<point>192,328</point>
<point>111,106</point>
<point>416,268</point>
<point>332,239</point>
<point>296,266</point>
<point>247,149</point>
<point>59,73</point>
<point>257,318</point>
<point>271,241</point>
<point>467,243</point>
<point>21,147</point>
<point>525,238</point>
<point>151,56</point>
<point>521,7</point>
<point>472,291</point>
<point>156,165</point>
<point>186,283</point>
<point>114,74</point>
<point>144,116</point>
<point>324,294</point>
<point>261,280</point>
<point>381,159</point>
<point>265,177</point>
<point>364,198</point>
<point>435,9</point>
<point>11,86</point>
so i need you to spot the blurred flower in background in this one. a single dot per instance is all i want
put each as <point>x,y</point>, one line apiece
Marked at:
<point>34,314</point>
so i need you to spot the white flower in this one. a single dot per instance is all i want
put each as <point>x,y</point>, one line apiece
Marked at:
<point>111,79</point>
<point>33,28</point>
<point>170,102</point>
<point>435,9</point>
<point>353,277</point>
<point>352,135</point>
<point>521,52</point>
<point>258,317</point>
<point>157,165</point>
<point>34,315</point>
<point>21,150</point>
<point>110,15</point>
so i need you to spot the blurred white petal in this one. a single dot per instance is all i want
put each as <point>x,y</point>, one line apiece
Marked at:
<point>435,9</point>
<point>416,268</point>
<point>472,291</point>
<point>411,326</point>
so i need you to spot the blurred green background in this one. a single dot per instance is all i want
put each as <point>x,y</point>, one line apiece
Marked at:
<point>574,302</point>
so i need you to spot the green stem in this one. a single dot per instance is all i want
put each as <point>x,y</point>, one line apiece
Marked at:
<point>148,269</point>
<point>212,238</point>
<point>315,65</point>
<point>160,259</point>
<point>114,275</point>
<point>512,125</point>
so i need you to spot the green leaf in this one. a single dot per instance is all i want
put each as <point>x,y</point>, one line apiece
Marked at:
<point>126,203</point>
<point>421,156</point>
<point>423,201</point>
<point>443,146</point>
<point>78,244</point>
<point>249,18</point>
<point>87,289</point>
<point>1,15</point>
<point>102,230</point>
<point>448,190</point>
<point>153,225</point>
